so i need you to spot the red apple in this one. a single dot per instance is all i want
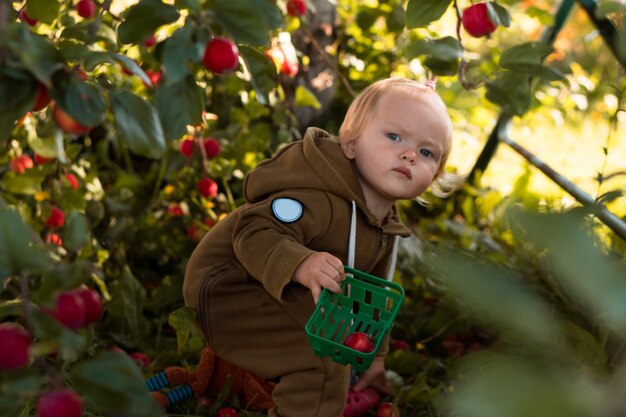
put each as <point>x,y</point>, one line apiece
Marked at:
<point>26,18</point>
<point>400,345</point>
<point>149,43</point>
<point>54,239</point>
<point>14,345</point>
<point>359,403</point>
<point>207,187</point>
<point>86,8</point>
<point>221,55</point>
<point>71,178</point>
<point>155,77</point>
<point>388,410</point>
<point>41,160</point>
<point>68,123</point>
<point>359,341</point>
<point>20,164</point>
<point>211,147</point>
<point>62,403</point>
<point>476,20</point>
<point>93,303</point>
<point>42,98</point>
<point>69,310</point>
<point>56,217</point>
<point>227,412</point>
<point>296,7</point>
<point>175,210</point>
<point>186,147</point>
<point>141,359</point>
<point>208,221</point>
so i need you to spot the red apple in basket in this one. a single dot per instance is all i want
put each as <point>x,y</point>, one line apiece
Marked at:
<point>359,341</point>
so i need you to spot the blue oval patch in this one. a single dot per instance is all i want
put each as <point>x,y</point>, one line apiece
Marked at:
<point>287,210</point>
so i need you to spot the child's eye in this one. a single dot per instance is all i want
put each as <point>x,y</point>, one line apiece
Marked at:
<point>394,137</point>
<point>426,153</point>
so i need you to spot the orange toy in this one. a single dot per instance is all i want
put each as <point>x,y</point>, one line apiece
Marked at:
<point>212,373</point>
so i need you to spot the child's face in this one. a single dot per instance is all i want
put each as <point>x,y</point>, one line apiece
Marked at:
<point>398,154</point>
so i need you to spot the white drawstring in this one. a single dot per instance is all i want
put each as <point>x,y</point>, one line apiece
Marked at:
<point>352,243</point>
<point>394,257</point>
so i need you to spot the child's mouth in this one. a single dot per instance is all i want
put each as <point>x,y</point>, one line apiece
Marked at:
<point>404,171</point>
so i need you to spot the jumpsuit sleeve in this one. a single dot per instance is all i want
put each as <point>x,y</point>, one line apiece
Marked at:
<point>271,249</point>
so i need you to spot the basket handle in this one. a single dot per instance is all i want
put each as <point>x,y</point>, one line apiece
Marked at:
<point>374,279</point>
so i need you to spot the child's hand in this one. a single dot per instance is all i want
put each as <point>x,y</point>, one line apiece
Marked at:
<point>320,270</point>
<point>374,376</point>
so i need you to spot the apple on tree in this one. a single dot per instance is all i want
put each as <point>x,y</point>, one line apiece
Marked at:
<point>221,55</point>
<point>86,8</point>
<point>69,310</point>
<point>61,403</point>
<point>207,187</point>
<point>14,346</point>
<point>26,18</point>
<point>212,147</point>
<point>296,8</point>
<point>476,20</point>
<point>20,164</point>
<point>149,43</point>
<point>67,123</point>
<point>56,218</point>
<point>92,302</point>
<point>42,97</point>
<point>187,146</point>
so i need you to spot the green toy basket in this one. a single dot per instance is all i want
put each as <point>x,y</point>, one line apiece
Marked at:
<point>366,304</point>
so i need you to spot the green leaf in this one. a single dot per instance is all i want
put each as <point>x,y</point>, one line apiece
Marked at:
<point>113,383</point>
<point>498,14</point>
<point>127,300</point>
<point>511,91</point>
<point>441,67</point>
<point>527,58</point>
<point>421,13</point>
<point>445,49</point>
<point>43,10</point>
<point>262,69</point>
<point>606,7</point>
<point>21,383</point>
<point>25,184</point>
<point>144,18</point>
<point>35,52</point>
<point>184,321</point>
<point>71,345</point>
<point>248,21</point>
<point>75,231</point>
<point>79,99</point>
<point>18,253</point>
<point>497,297</point>
<point>191,5</point>
<point>138,124</point>
<point>18,97</point>
<point>179,50</point>
<point>131,65</point>
<point>9,406</point>
<point>179,105</point>
<point>304,97</point>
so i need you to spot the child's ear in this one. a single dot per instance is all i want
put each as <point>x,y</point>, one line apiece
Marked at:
<point>348,148</point>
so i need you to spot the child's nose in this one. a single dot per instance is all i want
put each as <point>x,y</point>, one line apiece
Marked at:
<point>409,155</point>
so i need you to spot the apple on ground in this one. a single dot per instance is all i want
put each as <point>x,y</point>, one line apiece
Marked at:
<point>212,147</point>
<point>476,20</point>
<point>296,8</point>
<point>227,412</point>
<point>141,359</point>
<point>14,345</point>
<point>20,164</point>
<point>26,18</point>
<point>221,55</point>
<point>67,123</point>
<point>86,8</point>
<point>388,409</point>
<point>56,217</point>
<point>61,403</point>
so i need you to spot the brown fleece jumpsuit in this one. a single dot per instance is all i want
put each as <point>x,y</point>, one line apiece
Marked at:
<point>239,276</point>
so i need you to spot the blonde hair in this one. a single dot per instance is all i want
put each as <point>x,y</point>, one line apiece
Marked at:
<point>364,105</point>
